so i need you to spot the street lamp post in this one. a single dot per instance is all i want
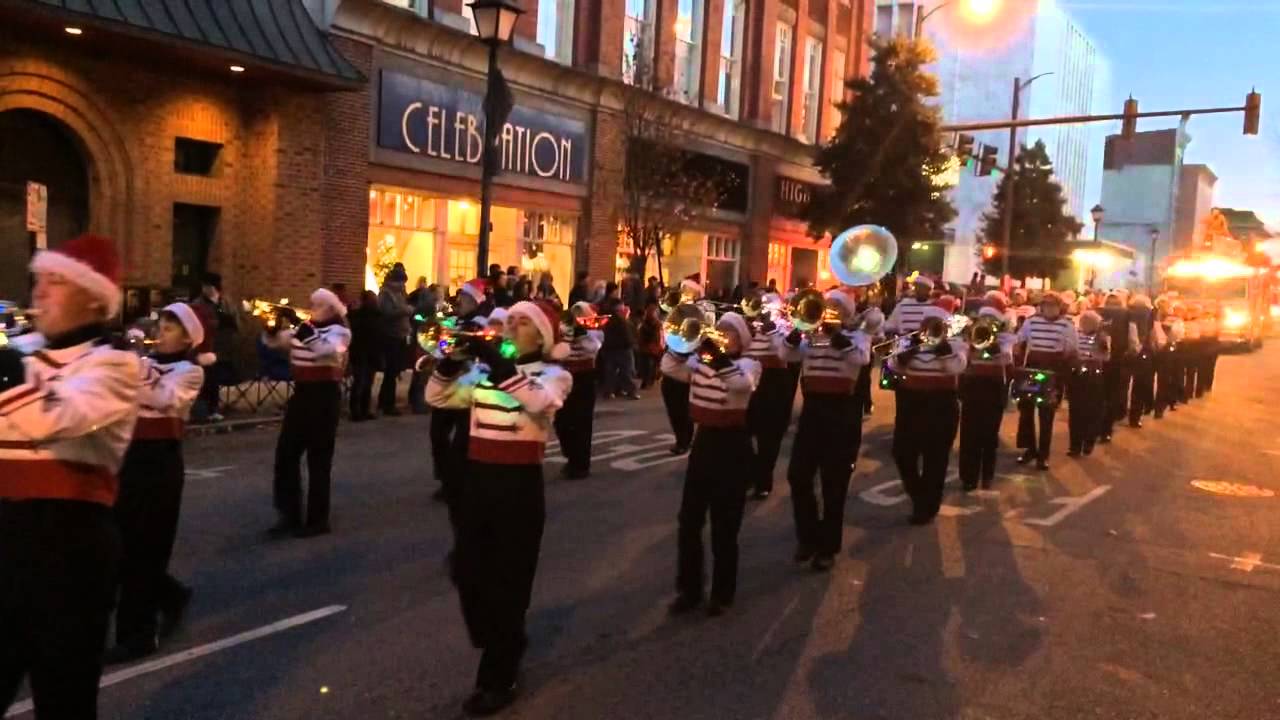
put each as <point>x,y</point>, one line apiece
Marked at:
<point>1151,262</point>
<point>1097,212</point>
<point>495,23</point>
<point>1006,230</point>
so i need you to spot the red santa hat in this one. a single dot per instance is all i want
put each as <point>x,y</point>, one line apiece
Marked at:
<point>996,299</point>
<point>547,319</point>
<point>204,349</point>
<point>328,298</point>
<point>89,261</point>
<point>476,289</point>
<point>846,302</point>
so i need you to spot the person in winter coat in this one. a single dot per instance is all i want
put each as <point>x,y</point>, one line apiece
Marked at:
<point>224,325</point>
<point>393,303</point>
<point>366,354</point>
<point>649,345</point>
<point>617,352</point>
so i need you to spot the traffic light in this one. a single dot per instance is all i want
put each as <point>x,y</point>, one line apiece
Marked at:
<point>1252,112</point>
<point>964,147</point>
<point>1129,126</point>
<point>987,161</point>
<point>988,251</point>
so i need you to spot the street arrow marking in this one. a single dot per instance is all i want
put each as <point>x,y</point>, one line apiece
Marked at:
<point>200,651</point>
<point>1246,562</point>
<point>207,473</point>
<point>1069,506</point>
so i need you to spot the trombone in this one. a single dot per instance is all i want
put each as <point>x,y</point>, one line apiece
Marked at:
<point>269,311</point>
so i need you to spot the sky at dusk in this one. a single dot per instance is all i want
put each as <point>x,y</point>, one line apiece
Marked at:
<point>1176,54</point>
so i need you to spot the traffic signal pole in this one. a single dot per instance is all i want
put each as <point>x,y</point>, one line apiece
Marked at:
<point>1079,119</point>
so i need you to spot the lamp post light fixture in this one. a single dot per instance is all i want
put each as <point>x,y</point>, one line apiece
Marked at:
<point>1097,212</point>
<point>495,24</point>
<point>979,10</point>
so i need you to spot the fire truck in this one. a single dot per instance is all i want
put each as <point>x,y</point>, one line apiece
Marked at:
<point>1240,288</point>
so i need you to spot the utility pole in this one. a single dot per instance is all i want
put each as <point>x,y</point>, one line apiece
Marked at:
<point>1006,233</point>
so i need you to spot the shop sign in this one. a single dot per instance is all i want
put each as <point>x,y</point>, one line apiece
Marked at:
<point>423,117</point>
<point>37,207</point>
<point>791,197</point>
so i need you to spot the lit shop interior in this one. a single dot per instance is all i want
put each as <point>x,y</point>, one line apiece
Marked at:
<point>437,237</point>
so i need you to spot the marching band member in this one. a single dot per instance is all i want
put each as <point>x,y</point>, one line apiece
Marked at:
<point>151,481</point>
<point>1209,349</point>
<point>67,410</point>
<point>1192,349</point>
<point>873,325</point>
<point>1168,363</point>
<point>1022,310</point>
<point>574,421</point>
<point>928,412</point>
<point>674,367</point>
<point>451,418</point>
<point>502,508</point>
<point>1142,395</point>
<point>910,312</point>
<point>984,387</point>
<point>1087,388</point>
<point>829,433</point>
<point>1123,343</point>
<point>769,413</point>
<point>722,383</point>
<point>317,358</point>
<point>1046,341</point>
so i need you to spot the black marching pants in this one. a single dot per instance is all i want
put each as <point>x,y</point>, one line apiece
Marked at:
<point>1085,413</point>
<point>1116,377</point>
<point>147,511</point>
<point>923,431</point>
<point>362,389</point>
<point>450,434</point>
<point>827,441</point>
<point>1028,438</point>
<point>58,571</point>
<point>1169,379</point>
<point>714,484</point>
<point>1142,399</point>
<point>768,417</point>
<point>501,513</point>
<point>675,397</point>
<point>1193,361</point>
<point>1208,365</point>
<point>575,420</point>
<point>311,427</point>
<point>863,389</point>
<point>982,409</point>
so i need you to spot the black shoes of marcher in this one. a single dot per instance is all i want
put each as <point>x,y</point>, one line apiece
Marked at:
<point>804,554</point>
<point>684,604</point>
<point>823,562</point>
<point>969,486</point>
<point>1104,439</point>
<point>310,531</point>
<point>174,611</point>
<point>132,649</point>
<point>1026,457</point>
<point>918,519</point>
<point>1042,464</point>
<point>283,529</point>
<point>1159,414</point>
<point>1073,452</point>
<point>576,473</point>
<point>716,608</point>
<point>760,495</point>
<point>679,449</point>
<point>484,703</point>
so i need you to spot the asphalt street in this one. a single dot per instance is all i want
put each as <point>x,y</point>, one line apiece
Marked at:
<point>1107,587</point>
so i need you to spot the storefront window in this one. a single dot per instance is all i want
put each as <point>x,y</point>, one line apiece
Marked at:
<point>402,228</point>
<point>547,249</point>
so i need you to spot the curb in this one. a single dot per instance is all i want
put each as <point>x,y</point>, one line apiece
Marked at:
<point>229,426</point>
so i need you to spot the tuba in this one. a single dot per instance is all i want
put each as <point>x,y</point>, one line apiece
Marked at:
<point>862,255</point>
<point>685,327</point>
<point>983,334</point>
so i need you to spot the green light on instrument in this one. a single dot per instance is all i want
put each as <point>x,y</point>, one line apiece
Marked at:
<point>1039,377</point>
<point>450,322</point>
<point>507,349</point>
<point>866,259</point>
<point>419,318</point>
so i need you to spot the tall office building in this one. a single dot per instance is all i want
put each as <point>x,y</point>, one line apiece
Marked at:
<point>976,68</point>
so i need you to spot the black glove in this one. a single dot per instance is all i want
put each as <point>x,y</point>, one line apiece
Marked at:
<point>942,349</point>
<point>768,326</point>
<point>12,372</point>
<point>500,369</point>
<point>721,361</point>
<point>450,366</point>
<point>793,338</point>
<point>579,331</point>
<point>304,331</point>
<point>840,341</point>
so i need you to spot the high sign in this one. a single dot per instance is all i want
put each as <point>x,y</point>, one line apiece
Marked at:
<point>424,117</point>
<point>791,197</point>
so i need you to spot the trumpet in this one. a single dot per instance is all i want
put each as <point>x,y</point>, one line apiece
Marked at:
<point>930,335</point>
<point>445,340</point>
<point>268,311</point>
<point>16,320</point>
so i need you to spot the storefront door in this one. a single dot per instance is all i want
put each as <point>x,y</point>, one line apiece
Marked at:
<point>804,267</point>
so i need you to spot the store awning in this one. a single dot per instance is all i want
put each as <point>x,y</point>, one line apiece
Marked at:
<point>278,35</point>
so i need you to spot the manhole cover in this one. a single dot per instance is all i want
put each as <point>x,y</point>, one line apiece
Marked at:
<point>1221,487</point>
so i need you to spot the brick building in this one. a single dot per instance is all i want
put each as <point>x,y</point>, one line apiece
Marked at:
<point>190,131</point>
<point>753,84</point>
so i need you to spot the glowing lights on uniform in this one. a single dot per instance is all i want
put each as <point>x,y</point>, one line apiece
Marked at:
<point>236,68</point>
<point>72,30</point>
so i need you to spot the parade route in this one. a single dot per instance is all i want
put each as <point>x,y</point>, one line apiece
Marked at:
<point>1107,587</point>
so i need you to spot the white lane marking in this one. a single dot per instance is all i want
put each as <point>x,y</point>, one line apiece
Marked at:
<point>773,629</point>
<point>619,450</point>
<point>1069,506</point>
<point>207,473</point>
<point>200,651</point>
<point>1246,562</point>
<point>604,436</point>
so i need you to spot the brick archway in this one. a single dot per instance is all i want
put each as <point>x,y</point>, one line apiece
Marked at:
<point>100,142</point>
